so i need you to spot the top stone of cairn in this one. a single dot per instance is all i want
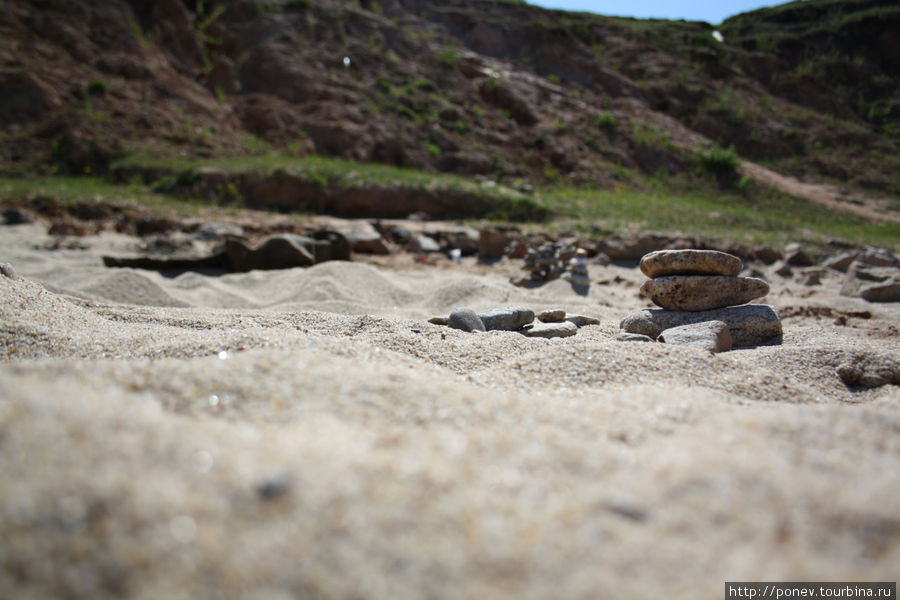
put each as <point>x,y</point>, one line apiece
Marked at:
<point>690,262</point>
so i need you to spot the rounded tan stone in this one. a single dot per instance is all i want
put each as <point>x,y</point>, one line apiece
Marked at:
<point>702,292</point>
<point>690,262</point>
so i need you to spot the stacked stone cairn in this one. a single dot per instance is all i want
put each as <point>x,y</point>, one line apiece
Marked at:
<point>546,324</point>
<point>554,260</point>
<point>703,302</point>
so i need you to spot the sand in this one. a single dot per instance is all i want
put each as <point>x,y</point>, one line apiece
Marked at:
<point>307,434</point>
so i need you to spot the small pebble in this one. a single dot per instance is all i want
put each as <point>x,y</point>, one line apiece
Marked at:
<point>465,319</point>
<point>8,271</point>
<point>510,318</point>
<point>633,337</point>
<point>550,330</point>
<point>581,320</point>
<point>554,315</point>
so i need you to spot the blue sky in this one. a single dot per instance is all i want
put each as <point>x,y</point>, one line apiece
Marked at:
<point>711,11</point>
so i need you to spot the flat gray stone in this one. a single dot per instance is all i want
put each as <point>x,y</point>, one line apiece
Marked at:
<point>702,292</point>
<point>465,319</point>
<point>888,291</point>
<point>633,337</point>
<point>510,318</point>
<point>550,330</point>
<point>552,316</point>
<point>750,325</point>
<point>714,336</point>
<point>581,320</point>
<point>861,277</point>
<point>690,262</point>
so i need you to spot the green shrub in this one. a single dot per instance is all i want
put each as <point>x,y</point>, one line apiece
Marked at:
<point>97,87</point>
<point>606,120</point>
<point>721,161</point>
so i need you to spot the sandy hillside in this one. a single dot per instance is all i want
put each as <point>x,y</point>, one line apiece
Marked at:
<point>307,434</point>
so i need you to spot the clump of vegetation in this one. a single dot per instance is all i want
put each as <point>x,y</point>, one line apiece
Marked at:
<point>606,120</point>
<point>722,162</point>
<point>97,87</point>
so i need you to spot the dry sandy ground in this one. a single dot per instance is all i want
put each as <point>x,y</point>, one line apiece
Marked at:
<point>306,434</point>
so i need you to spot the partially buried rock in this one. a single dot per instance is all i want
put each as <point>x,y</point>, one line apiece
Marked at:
<point>16,216</point>
<point>702,292</point>
<point>881,292</point>
<point>550,330</point>
<point>869,371</point>
<point>581,320</point>
<point>714,336</point>
<point>277,252</point>
<point>552,316</point>
<point>861,277</point>
<point>633,337</point>
<point>690,262</point>
<point>750,325</point>
<point>8,271</point>
<point>506,319</point>
<point>465,319</point>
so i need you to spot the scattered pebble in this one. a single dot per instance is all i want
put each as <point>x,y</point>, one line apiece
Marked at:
<point>506,319</point>
<point>550,330</point>
<point>633,337</point>
<point>8,271</point>
<point>465,319</point>
<point>581,320</point>
<point>554,315</point>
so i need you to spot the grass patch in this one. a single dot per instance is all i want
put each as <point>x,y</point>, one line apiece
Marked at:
<point>500,202</point>
<point>764,217</point>
<point>74,189</point>
<point>757,217</point>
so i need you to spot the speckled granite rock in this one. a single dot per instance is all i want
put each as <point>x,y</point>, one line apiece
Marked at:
<point>702,292</point>
<point>690,262</point>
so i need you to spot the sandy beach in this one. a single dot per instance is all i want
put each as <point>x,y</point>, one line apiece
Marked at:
<point>306,433</point>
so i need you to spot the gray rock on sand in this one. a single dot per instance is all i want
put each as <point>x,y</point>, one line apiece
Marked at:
<point>581,320</point>
<point>465,319</point>
<point>16,216</point>
<point>750,325</point>
<point>554,315</point>
<point>702,292</point>
<point>875,284</point>
<point>714,336</point>
<point>881,292</point>
<point>633,337</point>
<point>550,330</point>
<point>8,271</point>
<point>869,370</point>
<point>510,318</point>
<point>282,251</point>
<point>690,262</point>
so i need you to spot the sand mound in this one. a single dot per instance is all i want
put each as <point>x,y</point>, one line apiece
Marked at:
<point>305,433</point>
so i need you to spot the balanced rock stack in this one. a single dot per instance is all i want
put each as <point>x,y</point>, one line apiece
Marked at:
<point>700,286</point>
